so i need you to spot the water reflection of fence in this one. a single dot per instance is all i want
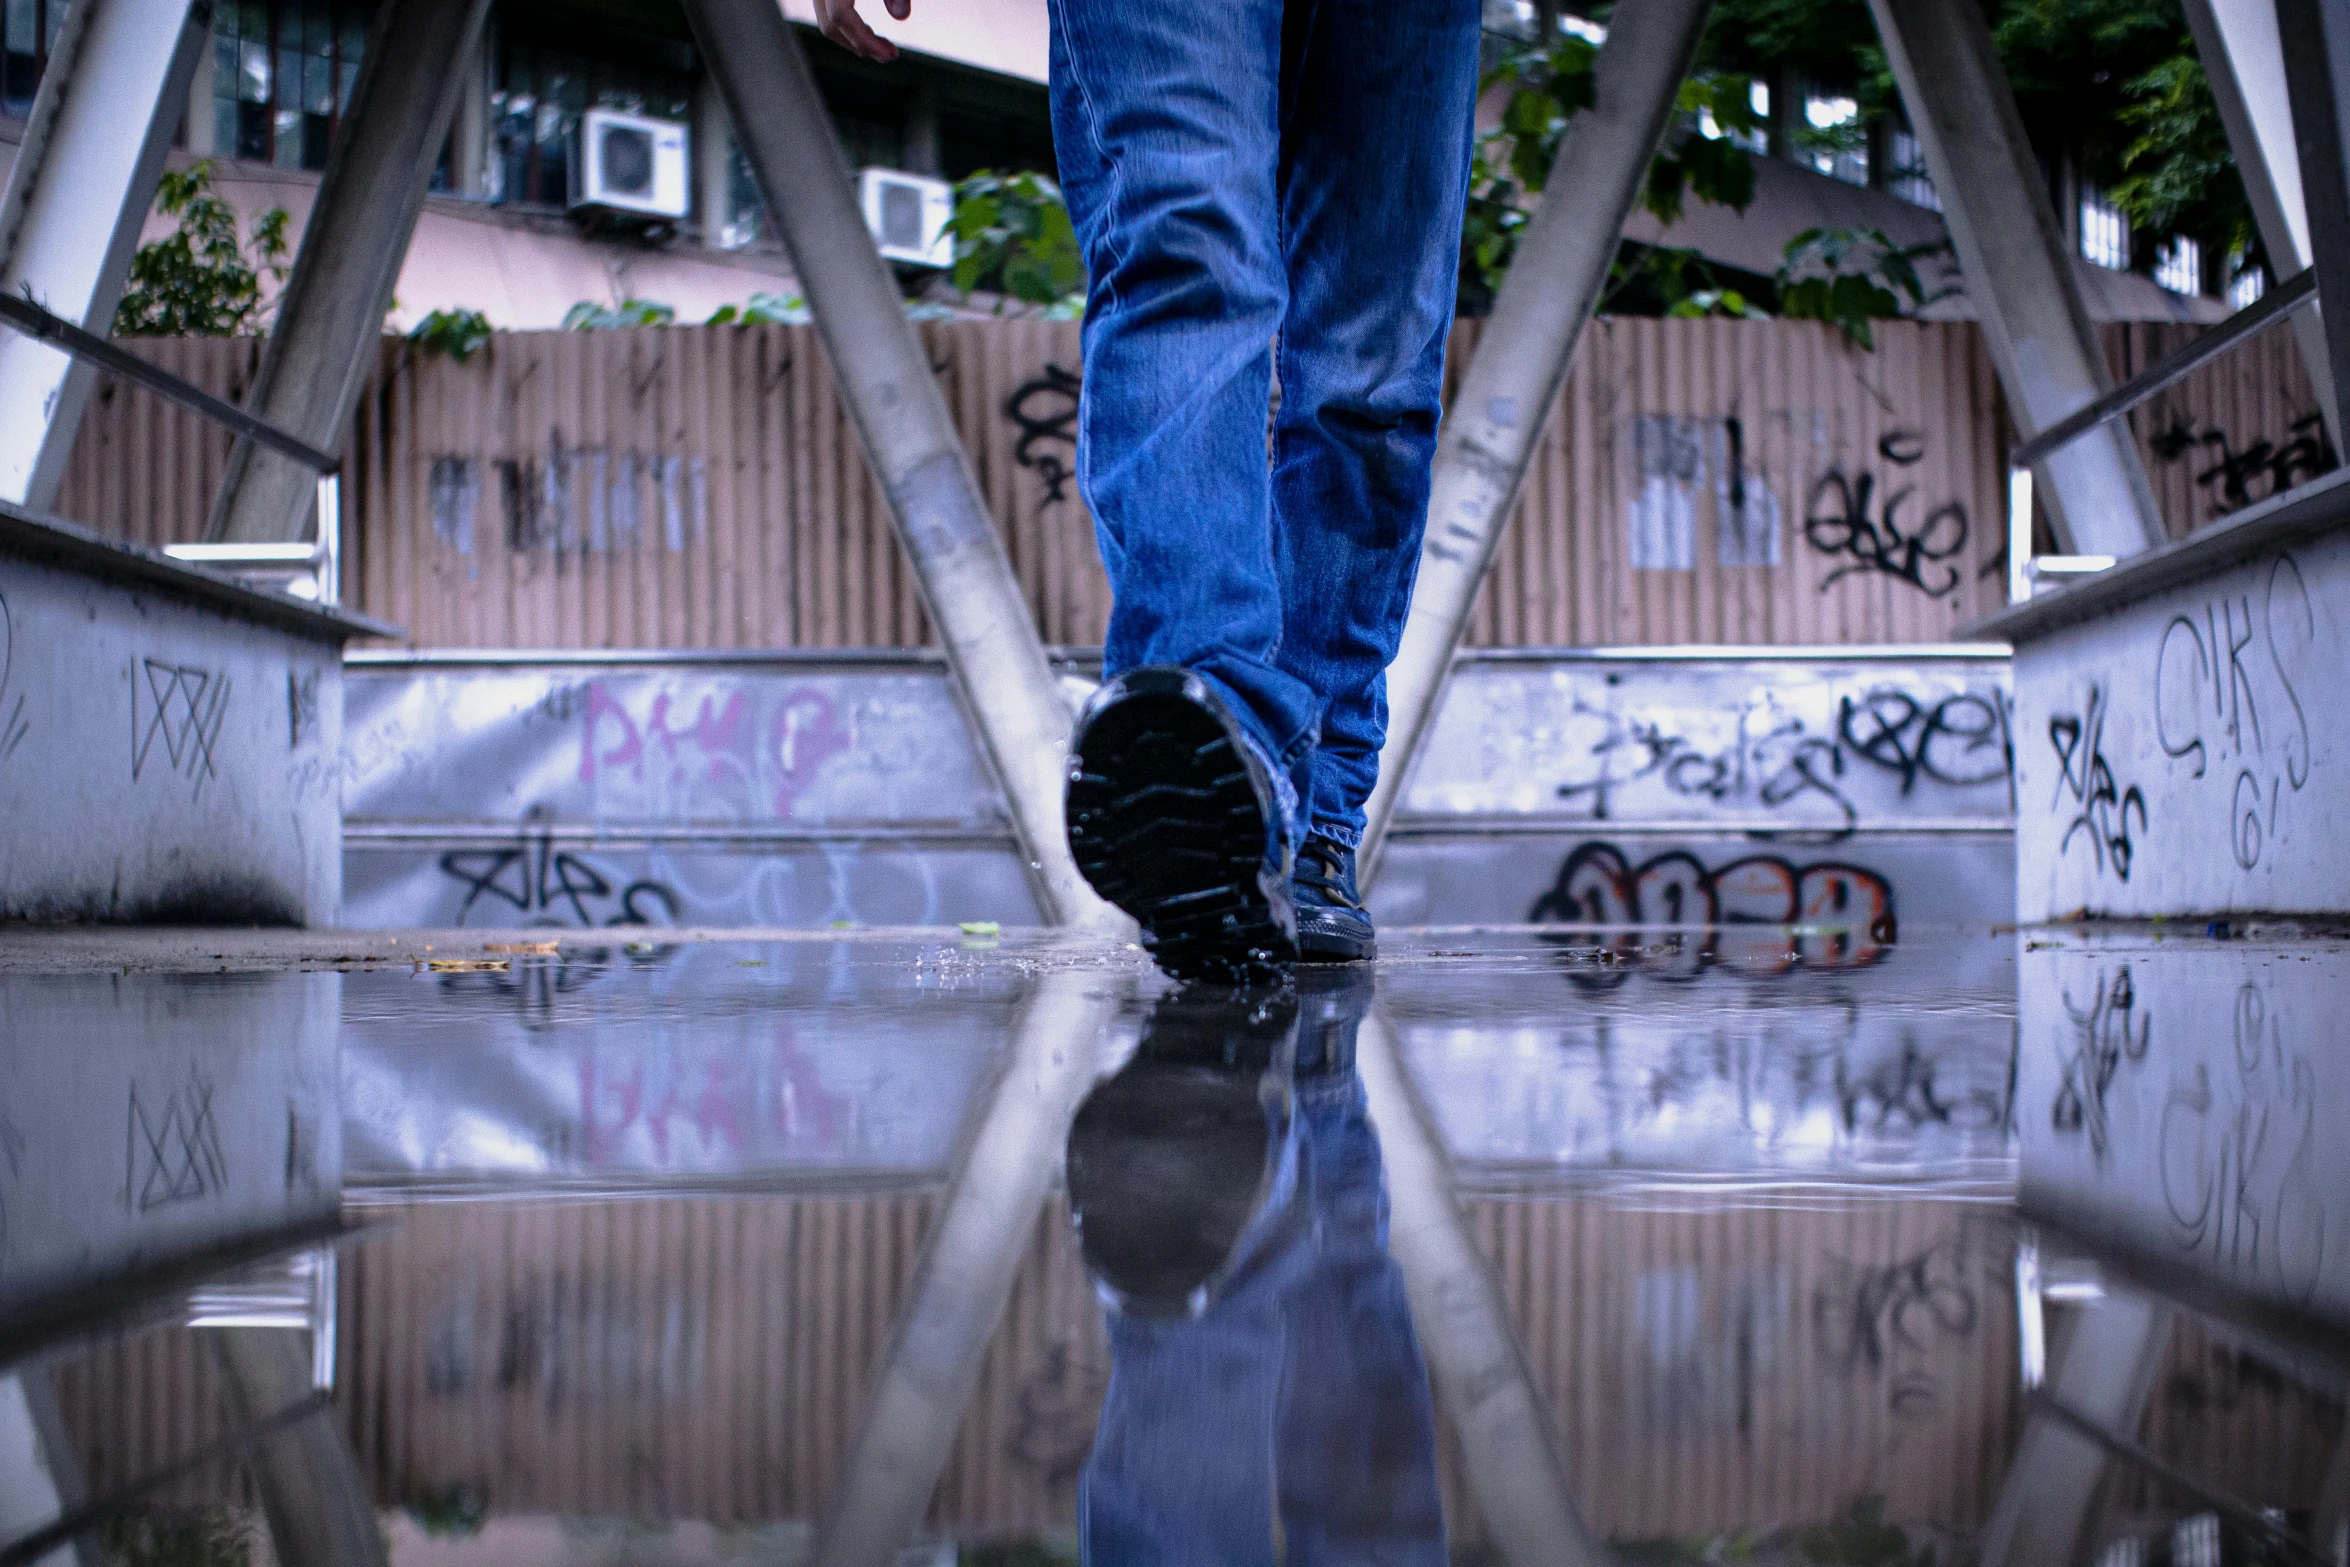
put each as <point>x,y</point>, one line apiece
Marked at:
<point>704,1358</point>
<point>1701,481</point>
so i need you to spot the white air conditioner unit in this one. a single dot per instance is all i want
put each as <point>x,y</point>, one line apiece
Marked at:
<point>630,163</point>
<point>908,216</point>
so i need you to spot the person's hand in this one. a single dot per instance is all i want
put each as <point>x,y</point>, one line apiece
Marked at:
<point>842,24</point>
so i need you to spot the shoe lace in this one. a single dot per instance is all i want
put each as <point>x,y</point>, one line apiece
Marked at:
<point>1322,866</point>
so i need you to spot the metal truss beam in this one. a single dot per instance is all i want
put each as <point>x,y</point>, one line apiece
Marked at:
<point>330,318</point>
<point>102,120</point>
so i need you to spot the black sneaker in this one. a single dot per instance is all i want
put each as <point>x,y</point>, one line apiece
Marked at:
<point>1171,1160</point>
<point>1332,924</point>
<point>1174,819</point>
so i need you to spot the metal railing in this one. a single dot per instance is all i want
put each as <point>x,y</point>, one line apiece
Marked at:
<point>313,570</point>
<point>2026,573</point>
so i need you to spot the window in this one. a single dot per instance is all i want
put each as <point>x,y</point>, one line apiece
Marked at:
<point>2105,233</point>
<point>1835,142</point>
<point>541,93</point>
<point>2178,265</point>
<point>2249,285</point>
<point>282,73</point>
<point>31,27</point>
<point>1907,177</point>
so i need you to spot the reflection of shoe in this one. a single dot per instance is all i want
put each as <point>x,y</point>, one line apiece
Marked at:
<point>1331,1004</point>
<point>1171,1160</point>
<point>1173,818</point>
<point>1332,924</point>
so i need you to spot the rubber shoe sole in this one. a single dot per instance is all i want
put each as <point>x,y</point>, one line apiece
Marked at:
<point>1334,935</point>
<point>1169,817</point>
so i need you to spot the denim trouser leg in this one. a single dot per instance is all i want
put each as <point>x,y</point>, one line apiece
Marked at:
<point>1377,98</point>
<point>1291,1421</point>
<point>1240,171</point>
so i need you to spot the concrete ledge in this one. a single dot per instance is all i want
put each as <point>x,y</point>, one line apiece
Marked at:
<point>52,541</point>
<point>2295,517</point>
<point>170,742</point>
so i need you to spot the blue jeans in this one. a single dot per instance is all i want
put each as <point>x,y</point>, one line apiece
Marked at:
<point>1262,184</point>
<point>1290,1422</point>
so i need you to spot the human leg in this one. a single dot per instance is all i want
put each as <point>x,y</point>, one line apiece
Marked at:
<point>1376,135</point>
<point>1165,121</point>
<point>1181,808</point>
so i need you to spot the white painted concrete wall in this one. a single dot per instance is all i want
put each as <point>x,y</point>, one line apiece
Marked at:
<point>160,761</point>
<point>2190,755</point>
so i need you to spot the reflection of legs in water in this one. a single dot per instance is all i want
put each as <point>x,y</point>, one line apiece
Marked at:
<point>1267,1399</point>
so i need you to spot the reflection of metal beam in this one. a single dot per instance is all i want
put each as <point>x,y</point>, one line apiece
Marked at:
<point>2101,1376</point>
<point>2019,272</point>
<point>317,1503</point>
<point>2329,1523</point>
<point>40,1479</point>
<point>85,1518</point>
<point>1509,1457</point>
<point>885,380</point>
<point>2274,1537</point>
<point>330,318</point>
<point>1505,397</point>
<point>969,1262</point>
<point>133,1299</point>
<point>77,197</point>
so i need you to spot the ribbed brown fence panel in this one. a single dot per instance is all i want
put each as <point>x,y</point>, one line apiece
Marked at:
<point>2237,431</point>
<point>701,487</point>
<point>707,1357</point>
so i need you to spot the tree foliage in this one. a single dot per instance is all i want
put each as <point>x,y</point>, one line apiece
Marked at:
<point>1852,277</point>
<point>2114,84</point>
<point>1013,237</point>
<point>201,279</point>
<point>1547,89</point>
<point>589,316</point>
<point>460,333</point>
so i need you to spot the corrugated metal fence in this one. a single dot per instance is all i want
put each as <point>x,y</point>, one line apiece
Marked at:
<point>1707,1368</point>
<point>699,487</point>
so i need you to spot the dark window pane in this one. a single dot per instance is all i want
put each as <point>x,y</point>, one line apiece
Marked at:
<point>252,131</point>
<point>224,127</point>
<point>20,76</point>
<point>315,129</point>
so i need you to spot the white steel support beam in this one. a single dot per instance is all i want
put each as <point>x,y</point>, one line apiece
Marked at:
<point>107,108</point>
<point>1001,675</point>
<point>2314,37</point>
<point>2018,270</point>
<point>2237,41</point>
<point>1510,1457</point>
<point>1522,356</point>
<point>331,315</point>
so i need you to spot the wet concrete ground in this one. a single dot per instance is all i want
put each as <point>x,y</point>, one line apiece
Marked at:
<point>1789,1245</point>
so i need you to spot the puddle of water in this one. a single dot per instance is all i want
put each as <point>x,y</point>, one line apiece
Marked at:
<point>1770,1247</point>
